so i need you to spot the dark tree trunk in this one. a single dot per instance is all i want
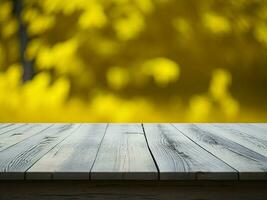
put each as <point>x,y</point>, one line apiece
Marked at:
<point>28,71</point>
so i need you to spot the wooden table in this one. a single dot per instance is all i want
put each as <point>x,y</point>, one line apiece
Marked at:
<point>133,154</point>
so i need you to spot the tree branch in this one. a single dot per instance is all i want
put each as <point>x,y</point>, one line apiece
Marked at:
<point>28,71</point>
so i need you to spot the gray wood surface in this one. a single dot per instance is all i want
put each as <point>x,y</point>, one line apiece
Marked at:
<point>179,158</point>
<point>133,151</point>
<point>250,137</point>
<point>124,154</point>
<point>262,126</point>
<point>257,130</point>
<point>250,164</point>
<point>5,125</point>
<point>9,127</point>
<point>19,134</point>
<point>14,161</point>
<point>73,158</point>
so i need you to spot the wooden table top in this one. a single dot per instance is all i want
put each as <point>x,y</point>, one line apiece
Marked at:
<point>132,151</point>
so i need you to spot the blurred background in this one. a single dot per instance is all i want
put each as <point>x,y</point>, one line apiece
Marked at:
<point>133,60</point>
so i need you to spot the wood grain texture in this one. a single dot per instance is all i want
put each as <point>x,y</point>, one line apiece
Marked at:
<point>5,128</point>
<point>5,125</point>
<point>14,161</point>
<point>120,151</point>
<point>262,126</point>
<point>179,158</point>
<point>19,134</point>
<point>73,158</point>
<point>257,129</point>
<point>124,154</point>
<point>250,137</point>
<point>249,163</point>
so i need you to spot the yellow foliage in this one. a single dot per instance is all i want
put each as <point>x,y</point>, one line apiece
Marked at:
<point>109,107</point>
<point>33,47</point>
<point>35,93</point>
<point>117,77</point>
<point>37,22</point>
<point>221,80</point>
<point>216,23</point>
<point>6,9</point>
<point>10,29</point>
<point>163,70</point>
<point>106,47</point>
<point>145,5</point>
<point>67,6</point>
<point>93,61</point>
<point>11,78</point>
<point>129,27</point>
<point>36,96</point>
<point>61,56</point>
<point>230,106</point>
<point>261,33</point>
<point>243,24</point>
<point>182,26</point>
<point>94,16</point>
<point>199,108</point>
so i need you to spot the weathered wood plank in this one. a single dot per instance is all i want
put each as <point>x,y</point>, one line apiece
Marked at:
<point>179,158</point>
<point>14,161</point>
<point>124,154</point>
<point>4,125</point>
<point>250,164</point>
<point>68,151</point>
<point>19,134</point>
<point>10,127</point>
<point>250,138</point>
<point>262,126</point>
<point>257,129</point>
<point>72,158</point>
